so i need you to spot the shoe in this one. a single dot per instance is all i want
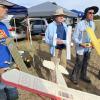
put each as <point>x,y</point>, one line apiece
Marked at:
<point>86,79</point>
<point>74,81</point>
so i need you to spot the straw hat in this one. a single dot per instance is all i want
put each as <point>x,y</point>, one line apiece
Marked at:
<point>58,12</point>
<point>6,3</point>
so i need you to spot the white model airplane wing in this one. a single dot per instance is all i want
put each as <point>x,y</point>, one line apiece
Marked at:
<point>40,86</point>
<point>58,70</point>
<point>62,70</point>
<point>51,65</point>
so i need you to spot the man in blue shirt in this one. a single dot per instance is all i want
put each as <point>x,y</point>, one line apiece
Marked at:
<point>5,56</point>
<point>83,53</point>
<point>6,92</point>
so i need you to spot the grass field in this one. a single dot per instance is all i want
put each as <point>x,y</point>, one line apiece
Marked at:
<point>41,51</point>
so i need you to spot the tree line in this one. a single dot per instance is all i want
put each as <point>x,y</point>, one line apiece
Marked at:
<point>96,17</point>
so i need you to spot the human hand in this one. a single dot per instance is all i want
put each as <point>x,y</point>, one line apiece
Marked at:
<point>86,45</point>
<point>59,41</point>
<point>92,45</point>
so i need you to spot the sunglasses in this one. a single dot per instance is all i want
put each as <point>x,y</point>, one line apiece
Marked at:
<point>90,12</point>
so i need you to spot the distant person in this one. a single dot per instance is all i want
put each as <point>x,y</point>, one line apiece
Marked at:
<point>55,34</point>
<point>6,92</point>
<point>83,53</point>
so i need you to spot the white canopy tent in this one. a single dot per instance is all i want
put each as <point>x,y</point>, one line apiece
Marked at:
<point>47,9</point>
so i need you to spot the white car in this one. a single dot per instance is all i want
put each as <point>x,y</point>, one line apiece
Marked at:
<point>17,35</point>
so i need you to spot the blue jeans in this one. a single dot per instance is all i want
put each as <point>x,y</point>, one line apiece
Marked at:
<point>80,68</point>
<point>8,92</point>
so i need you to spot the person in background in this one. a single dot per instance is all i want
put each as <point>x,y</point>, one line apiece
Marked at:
<point>83,53</point>
<point>6,92</point>
<point>55,35</point>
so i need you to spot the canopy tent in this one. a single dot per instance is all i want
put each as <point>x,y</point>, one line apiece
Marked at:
<point>18,10</point>
<point>80,13</point>
<point>47,9</point>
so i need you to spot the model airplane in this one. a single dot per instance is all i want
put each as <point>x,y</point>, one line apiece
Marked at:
<point>43,87</point>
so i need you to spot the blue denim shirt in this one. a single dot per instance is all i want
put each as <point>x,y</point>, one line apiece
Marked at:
<point>80,36</point>
<point>51,36</point>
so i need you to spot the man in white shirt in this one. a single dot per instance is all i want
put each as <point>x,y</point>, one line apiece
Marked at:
<point>55,34</point>
<point>83,53</point>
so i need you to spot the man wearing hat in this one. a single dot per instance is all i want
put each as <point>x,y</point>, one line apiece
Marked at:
<point>55,34</point>
<point>83,53</point>
<point>6,92</point>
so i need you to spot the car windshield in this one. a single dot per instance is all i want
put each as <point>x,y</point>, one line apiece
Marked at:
<point>38,22</point>
<point>17,22</point>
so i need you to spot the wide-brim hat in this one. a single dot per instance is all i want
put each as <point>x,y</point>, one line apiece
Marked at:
<point>92,8</point>
<point>58,12</point>
<point>6,3</point>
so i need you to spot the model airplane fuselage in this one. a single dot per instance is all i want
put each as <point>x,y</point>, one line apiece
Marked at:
<point>43,87</point>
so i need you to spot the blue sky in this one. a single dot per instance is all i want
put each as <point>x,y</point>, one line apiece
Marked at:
<point>68,4</point>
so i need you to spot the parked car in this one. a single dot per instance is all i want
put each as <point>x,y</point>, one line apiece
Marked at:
<point>38,25</point>
<point>15,32</point>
